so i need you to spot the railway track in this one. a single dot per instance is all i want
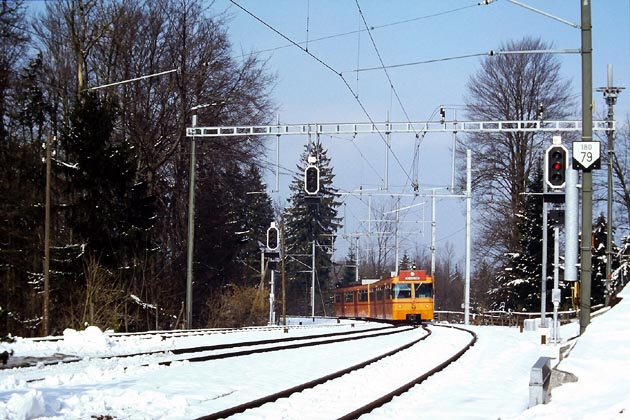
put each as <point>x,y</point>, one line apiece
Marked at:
<point>359,389</point>
<point>247,380</point>
<point>167,334</point>
<point>61,358</point>
<point>202,353</point>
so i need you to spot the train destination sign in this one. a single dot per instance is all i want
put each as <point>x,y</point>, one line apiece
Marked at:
<point>586,155</point>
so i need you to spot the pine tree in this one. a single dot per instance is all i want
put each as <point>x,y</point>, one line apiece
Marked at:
<point>257,215</point>
<point>109,217</point>
<point>22,181</point>
<point>405,262</point>
<point>102,183</point>
<point>599,257</point>
<point>349,269</point>
<point>236,213</point>
<point>621,275</point>
<point>520,280</point>
<point>305,223</point>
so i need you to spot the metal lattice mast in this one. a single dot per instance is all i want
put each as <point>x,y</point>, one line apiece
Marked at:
<point>610,95</point>
<point>508,126</point>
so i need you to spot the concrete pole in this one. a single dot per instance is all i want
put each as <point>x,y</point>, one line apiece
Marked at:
<point>46,316</point>
<point>283,275</point>
<point>468,235</point>
<point>571,226</point>
<point>453,154</point>
<point>543,284</point>
<point>356,260</point>
<point>191,229</point>
<point>272,298</point>
<point>587,176</point>
<point>556,289</point>
<point>313,284</point>
<point>433,233</point>
<point>397,244</point>
<point>387,147</point>
<point>278,158</point>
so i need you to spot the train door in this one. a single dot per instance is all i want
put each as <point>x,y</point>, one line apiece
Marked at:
<point>388,301</point>
<point>362,303</point>
<point>348,304</point>
<point>339,305</point>
<point>373,309</point>
<point>380,303</point>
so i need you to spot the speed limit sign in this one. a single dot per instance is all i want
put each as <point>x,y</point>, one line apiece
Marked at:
<point>586,155</point>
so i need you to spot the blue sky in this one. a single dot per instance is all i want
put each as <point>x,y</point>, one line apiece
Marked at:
<point>407,32</point>
<point>307,90</point>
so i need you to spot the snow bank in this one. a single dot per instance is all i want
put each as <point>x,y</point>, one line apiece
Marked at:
<point>90,341</point>
<point>23,406</point>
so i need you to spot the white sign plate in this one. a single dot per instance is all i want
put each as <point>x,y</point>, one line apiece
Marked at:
<point>586,155</point>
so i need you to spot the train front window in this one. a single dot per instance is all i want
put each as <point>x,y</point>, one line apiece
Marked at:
<point>349,297</point>
<point>424,290</point>
<point>401,291</point>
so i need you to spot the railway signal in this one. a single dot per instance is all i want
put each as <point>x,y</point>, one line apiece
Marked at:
<point>311,180</point>
<point>273,237</point>
<point>556,160</point>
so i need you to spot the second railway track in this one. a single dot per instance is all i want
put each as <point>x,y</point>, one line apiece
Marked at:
<point>30,371</point>
<point>357,390</point>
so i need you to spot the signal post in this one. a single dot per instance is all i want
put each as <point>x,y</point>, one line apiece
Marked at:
<point>272,254</point>
<point>556,166</point>
<point>312,198</point>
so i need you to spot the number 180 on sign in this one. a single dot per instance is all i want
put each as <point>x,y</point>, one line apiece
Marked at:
<point>586,155</point>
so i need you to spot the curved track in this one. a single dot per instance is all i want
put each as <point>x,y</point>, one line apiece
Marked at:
<point>379,402</point>
<point>410,362</point>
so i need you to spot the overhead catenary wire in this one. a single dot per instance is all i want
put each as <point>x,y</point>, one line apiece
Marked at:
<point>490,53</point>
<point>326,65</point>
<point>380,59</point>
<point>375,27</point>
<point>417,63</point>
<point>352,140</point>
<point>344,80</point>
<point>389,79</point>
<point>358,52</point>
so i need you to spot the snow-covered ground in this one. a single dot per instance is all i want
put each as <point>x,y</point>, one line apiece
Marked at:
<point>491,381</point>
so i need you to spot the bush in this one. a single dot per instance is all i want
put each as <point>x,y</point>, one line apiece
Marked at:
<point>238,307</point>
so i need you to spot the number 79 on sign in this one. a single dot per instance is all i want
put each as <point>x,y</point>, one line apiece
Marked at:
<point>586,155</point>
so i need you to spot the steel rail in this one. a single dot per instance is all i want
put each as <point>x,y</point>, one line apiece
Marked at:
<point>310,384</point>
<point>406,387</point>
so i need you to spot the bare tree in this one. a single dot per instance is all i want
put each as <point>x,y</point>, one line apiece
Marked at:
<point>379,253</point>
<point>510,87</point>
<point>482,288</point>
<point>89,43</point>
<point>621,171</point>
<point>448,282</point>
